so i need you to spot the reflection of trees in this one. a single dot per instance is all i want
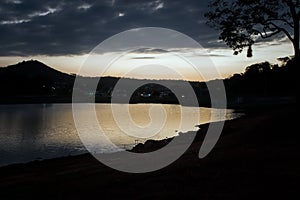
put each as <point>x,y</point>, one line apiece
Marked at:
<point>24,120</point>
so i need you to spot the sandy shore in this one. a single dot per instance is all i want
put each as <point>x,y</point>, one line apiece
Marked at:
<point>257,156</point>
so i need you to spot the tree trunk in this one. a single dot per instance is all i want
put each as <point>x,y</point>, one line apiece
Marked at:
<point>296,41</point>
<point>296,28</point>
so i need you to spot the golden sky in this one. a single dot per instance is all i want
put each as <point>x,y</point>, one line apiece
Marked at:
<point>225,62</point>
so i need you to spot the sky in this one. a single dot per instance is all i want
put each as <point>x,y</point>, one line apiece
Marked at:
<point>62,34</point>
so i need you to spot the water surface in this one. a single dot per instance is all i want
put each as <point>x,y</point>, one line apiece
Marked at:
<point>40,131</point>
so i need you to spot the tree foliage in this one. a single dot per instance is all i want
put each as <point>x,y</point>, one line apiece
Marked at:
<point>265,79</point>
<point>243,22</point>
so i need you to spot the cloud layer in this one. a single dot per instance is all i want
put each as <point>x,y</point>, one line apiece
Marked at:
<point>55,27</point>
<point>61,27</point>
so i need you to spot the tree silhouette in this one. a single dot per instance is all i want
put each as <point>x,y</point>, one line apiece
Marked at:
<point>242,22</point>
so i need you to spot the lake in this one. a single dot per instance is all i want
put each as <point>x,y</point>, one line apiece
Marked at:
<point>41,131</point>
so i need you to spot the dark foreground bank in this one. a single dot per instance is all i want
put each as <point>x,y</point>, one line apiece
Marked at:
<point>257,157</point>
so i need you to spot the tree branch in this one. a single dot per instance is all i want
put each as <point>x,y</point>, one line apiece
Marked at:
<point>260,33</point>
<point>283,30</point>
<point>265,35</point>
<point>283,20</point>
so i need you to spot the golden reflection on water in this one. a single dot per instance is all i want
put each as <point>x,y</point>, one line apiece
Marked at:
<point>140,115</point>
<point>48,130</point>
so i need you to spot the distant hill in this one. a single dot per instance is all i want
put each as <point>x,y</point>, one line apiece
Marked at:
<point>33,78</point>
<point>34,82</point>
<point>32,69</point>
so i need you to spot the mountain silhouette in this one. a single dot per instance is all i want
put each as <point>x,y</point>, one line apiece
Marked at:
<point>34,82</point>
<point>33,78</point>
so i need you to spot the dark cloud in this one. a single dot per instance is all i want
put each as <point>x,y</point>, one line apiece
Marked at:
<point>144,57</point>
<point>149,51</point>
<point>55,27</point>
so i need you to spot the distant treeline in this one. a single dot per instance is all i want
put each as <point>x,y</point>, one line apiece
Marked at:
<point>34,82</point>
<point>265,79</point>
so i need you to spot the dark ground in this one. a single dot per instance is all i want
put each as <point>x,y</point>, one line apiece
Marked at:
<point>257,157</point>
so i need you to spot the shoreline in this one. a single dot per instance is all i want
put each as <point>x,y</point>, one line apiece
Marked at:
<point>6,161</point>
<point>253,102</point>
<point>256,155</point>
<point>138,148</point>
<point>151,144</point>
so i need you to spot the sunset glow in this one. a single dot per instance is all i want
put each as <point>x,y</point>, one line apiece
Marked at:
<point>226,63</point>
